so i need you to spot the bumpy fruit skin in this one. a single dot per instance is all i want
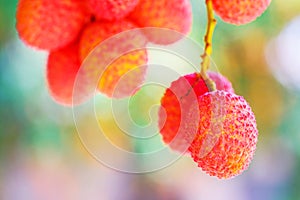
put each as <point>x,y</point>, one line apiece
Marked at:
<point>227,134</point>
<point>62,68</point>
<point>49,25</point>
<point>124,75</point>
<point>240,12</point>
<point>175,106</point>
<point>97,32</point>
<point>171,14</point>
<point>111,9</point>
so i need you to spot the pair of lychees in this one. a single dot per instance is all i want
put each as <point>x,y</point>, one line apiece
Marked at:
<point>71,29</point>
<point>217,128</point>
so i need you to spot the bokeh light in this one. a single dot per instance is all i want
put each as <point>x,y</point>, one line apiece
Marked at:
<point>282,55</point>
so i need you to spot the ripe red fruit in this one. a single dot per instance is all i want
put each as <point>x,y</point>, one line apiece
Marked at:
<point>62,68</point>
<point>111,9</point>
<point>170,14</point>
<point>175,106</point>
<point>97,32</point>
<point>124,75</point>
<point>48,24</point>
<point>240,12</point>
<point>227,135</point>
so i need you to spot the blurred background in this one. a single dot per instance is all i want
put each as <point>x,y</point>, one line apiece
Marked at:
<point>41,156</point>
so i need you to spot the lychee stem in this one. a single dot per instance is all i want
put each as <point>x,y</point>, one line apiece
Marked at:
<point>211,24</point>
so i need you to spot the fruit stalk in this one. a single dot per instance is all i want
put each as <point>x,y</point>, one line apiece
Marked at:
<point>211,24</point>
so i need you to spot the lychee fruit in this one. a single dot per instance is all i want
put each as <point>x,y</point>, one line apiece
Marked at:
<point>125,74</point>
<point>227,134</point>
<point>111,9</point>
<point>175,106</point>
<point>166,14</point>
<point>239,12</point>
<point>62,67</point>
<point>49,25</point>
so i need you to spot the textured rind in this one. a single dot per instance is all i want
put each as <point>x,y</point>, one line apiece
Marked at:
<point>124,75</point>
<point>97,32</point>
<point>111,9</point>
<point>62,68</point>
<point>173,108</point>
<point>227,135</point>
<point>240,12</point>
<point>170,14</point>
<point>49,25</point>
<point>173,121</point>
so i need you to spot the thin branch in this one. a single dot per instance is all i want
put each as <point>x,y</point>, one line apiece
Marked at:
<point>211,24</point>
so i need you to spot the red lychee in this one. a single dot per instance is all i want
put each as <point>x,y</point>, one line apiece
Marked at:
<point>240,12</point>
<point>124,75</point>
<point>62,68</point>
<point>111,9</point>
<point>227,135</point>
<point>175,106</point>
<point>48,24</point>
<point>168,14</point>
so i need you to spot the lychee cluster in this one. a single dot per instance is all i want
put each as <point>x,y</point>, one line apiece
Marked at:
<point>239,12</point>
<point>217,128</point>
<point>71,29</point>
